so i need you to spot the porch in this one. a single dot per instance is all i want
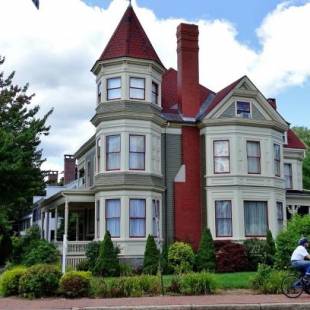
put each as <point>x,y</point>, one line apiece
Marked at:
<point>297,202</point>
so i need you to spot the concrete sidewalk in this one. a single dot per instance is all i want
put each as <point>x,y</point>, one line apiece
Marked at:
<point>218,302</point>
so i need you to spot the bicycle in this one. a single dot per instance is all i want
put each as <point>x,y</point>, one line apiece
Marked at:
<point>294,285</point>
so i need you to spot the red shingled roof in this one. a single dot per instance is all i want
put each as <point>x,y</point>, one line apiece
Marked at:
<point>293,142</point>
<point>130,40</point>
<point>170,91</point>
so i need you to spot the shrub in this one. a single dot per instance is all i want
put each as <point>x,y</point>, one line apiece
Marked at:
<point>194,284</point>
<point>39,281</point>
<point>75,284</point>
<point>287,239</point>
<point>83,265</point>
<point>9,281</point>
<point>165,267</point>
<point>151,256</point>
<point>42,252</point>
<point>230,257</point>
<point>181,257</point>
<point>92,253</point>
<point>107,263</point>
<point>99,288</point>
<point>255,252</point>
<point>270,249</point>
<point>5,248</point>
<point>268,280</point>
<point>205,257</point>
<point>126,270</point>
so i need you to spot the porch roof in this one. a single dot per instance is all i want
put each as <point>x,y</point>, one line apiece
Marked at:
<point>295,197</point>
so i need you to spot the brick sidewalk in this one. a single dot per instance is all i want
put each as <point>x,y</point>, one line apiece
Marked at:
<point>61,303</point>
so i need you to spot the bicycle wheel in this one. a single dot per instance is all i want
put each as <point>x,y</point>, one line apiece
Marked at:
<point>292,286</point>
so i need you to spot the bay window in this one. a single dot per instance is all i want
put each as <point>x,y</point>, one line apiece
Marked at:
<point>98,217</point>
<point>288,176</point>
<point>99,91</point>
<point>136,152</point>
<point>112,216</point>
<point>114,88</point>
<point>113,152</point>
<point>137,88</point>
<point>223,218</point>
<point>154,93</point>
<point>277,159</point>
<point>255,218</point>
<point>155,217</point>
<point>221,156</point>
<point>98,150</point>
<point>280,215</point>
<point>137,221</point>
<point>253,155</point>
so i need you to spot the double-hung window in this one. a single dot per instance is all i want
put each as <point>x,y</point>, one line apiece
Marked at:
<point>288,176</point>
<point>112,216</point>
<point>114,88</point>
<point>243,109</point>
<point>154,93</point>
<point>223,218</point>
<point>155,217</point>
<point>136,152</point>
<point>99,91</point>
<point>277,160</point>
<point>137,88</point>
<point>255,218</point>
<point>113,152</point>
<point>98,150</point>
<point>253,154</point>
<point>280,215</point>
<point>98,218</point>
<point>137,220</point>
<point>221,156</point>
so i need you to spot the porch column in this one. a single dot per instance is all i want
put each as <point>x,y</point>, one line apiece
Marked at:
<point>56,224</point>
<point>77,227</point>
<point>66,217</point>
<point>47,220</point>
<point>65,237</point>
<point>42,224</point>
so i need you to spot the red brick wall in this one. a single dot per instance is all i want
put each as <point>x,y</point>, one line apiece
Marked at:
<point>187,194</point>
<point>69,169</point>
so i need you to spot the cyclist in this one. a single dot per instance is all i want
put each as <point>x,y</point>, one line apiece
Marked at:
<point>300,258</point>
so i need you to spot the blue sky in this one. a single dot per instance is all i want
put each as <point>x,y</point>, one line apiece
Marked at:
<point>246,16</point>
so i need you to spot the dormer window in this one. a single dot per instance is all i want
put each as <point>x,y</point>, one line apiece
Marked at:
<point>154,93</point>
<point>99,91</point>
<point>243,109</point>
<point>114,88</point>
<point>137,88</point>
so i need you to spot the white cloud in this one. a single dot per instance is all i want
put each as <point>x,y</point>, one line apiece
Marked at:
<point>55,47</point>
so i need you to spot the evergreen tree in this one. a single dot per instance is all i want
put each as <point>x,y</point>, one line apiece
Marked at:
<point>270,249</point>
<point>107,263</point>
<point>151,256</point>
<point>205,257</point>
<point>20,158</point>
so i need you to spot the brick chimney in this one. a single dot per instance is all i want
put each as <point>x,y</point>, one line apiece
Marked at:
<point>52,177</point>
<point>69,169</point>
<point>272,102</point>
<point>188,69</point>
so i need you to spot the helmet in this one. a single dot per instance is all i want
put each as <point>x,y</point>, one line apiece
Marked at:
<point>302,241</point>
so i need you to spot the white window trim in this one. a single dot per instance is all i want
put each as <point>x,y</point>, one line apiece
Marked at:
<point>236,109</point>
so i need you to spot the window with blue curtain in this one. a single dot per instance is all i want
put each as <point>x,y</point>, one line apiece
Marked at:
<point>112,216</point>
<point>255,218</point>
<point>223,218</point>
<point>137,218</point>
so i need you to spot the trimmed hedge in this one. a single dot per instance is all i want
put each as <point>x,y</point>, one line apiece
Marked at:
<point>9,281</point>
<point>39,281</point>
<point>181,257</point>
<point>75,284</point>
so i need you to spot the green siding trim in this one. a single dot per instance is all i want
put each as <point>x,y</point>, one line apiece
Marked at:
<point>256,114</point>
<point>126,180</point>
<point>171,163</point>
<point>229,112</point>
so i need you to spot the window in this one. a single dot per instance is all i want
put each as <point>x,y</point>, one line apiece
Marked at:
<point>280,215</point>
<point>98,217</point>
<point>112,216</point>
<point>243,109</point>
<point>154,93</point>
<point>114,88</point>
<point>113,152</point>
<point>253,153</point>
<point>223,218</point>
<point>155,217</point>
<point>137,88</point>
<point>136,152</point>
<point>277,159</point>
<point>255,218</point>
<point>89,174</point>
<point>137,218</point>
<point>98,154</point>
<point>288,176</point>
<point>99,91</point>
<point>221,156</point>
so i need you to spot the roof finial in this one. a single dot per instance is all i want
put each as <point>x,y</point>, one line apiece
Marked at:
<point>129,2</point>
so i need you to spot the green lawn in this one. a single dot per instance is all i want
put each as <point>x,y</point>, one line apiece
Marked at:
<point>236,280</point>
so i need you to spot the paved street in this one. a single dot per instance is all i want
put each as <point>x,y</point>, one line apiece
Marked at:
<point>143,303</point>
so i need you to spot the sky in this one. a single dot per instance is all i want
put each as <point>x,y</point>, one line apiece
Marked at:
<point>55,47</point>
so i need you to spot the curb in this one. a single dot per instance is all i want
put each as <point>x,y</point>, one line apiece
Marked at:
<point>280,306</point>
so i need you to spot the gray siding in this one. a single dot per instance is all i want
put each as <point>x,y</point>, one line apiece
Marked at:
<point>229,112</point>
<point>203,180</point>
<point>171,163</point>
<point>90,158</point>
<point>256,114</point>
